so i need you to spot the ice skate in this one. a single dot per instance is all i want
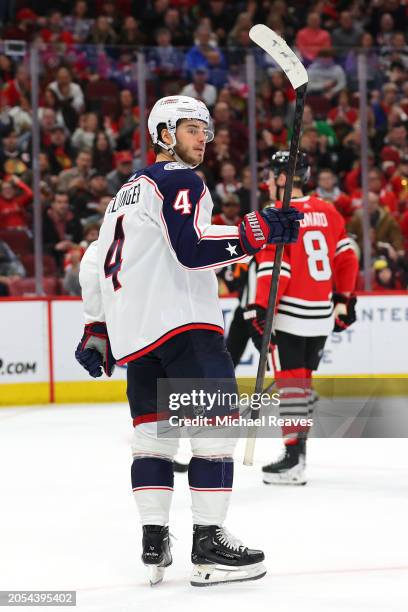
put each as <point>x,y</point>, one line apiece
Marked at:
<point>219,557</point>
<point>289,469</point>
<point>156,551</point>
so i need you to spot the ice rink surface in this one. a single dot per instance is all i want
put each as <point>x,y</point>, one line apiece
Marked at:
<point>68,521</point>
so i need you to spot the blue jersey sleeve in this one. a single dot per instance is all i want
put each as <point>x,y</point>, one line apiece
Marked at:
<point>186,218</point>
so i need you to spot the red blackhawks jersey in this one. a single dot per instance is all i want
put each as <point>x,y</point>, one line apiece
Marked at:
<point>322,259</point>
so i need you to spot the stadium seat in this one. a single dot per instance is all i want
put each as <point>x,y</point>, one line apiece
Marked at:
<point>19,241</point>
<point>26,286</point>
<point>49,265</point>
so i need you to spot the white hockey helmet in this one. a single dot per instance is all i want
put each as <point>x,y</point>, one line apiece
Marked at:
<point>170,110</point>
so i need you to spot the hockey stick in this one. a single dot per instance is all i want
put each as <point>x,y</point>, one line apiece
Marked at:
<point>291,65</point>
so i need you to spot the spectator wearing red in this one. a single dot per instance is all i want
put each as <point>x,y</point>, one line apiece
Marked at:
<point>23,27</point>
<point>15,196</point>
<point>18,87</point>
<point>328,190</point>
<point>378,185</point>
<point>312,39</point>
<point>54,27</point>
<point>343,112</point>
<point>229,214</point>
<point>276,136</point>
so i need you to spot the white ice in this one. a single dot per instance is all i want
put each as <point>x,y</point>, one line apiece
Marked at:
<point>68,521</point>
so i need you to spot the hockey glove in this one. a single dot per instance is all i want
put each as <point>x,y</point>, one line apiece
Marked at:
<point>344,311</point>
<point>269,226</point>
<point>94,350</point>
<point>255,316</point>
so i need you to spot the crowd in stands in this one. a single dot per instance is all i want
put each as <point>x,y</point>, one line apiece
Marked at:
<point>90,137</point>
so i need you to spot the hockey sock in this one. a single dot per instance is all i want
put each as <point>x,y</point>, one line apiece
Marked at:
<point>210,483</point>
<point>152,483</point>
<point>293,388</point>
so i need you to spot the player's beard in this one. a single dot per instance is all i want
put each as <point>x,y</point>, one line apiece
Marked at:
<point>187,158</point>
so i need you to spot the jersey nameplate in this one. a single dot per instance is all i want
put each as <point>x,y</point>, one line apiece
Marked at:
<point>125,197</point>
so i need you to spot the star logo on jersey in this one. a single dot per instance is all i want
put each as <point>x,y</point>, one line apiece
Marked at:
<point>232,249</point>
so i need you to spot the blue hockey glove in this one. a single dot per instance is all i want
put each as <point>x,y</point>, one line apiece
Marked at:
<point>269,226</point>
<point>94,350</point>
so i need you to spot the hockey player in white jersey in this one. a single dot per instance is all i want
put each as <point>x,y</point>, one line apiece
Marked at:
<point>150,292</point>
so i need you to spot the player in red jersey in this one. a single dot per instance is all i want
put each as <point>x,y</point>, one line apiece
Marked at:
<point>317,278</point>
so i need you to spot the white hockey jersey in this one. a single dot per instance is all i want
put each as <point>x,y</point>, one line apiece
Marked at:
<point>151,273</point>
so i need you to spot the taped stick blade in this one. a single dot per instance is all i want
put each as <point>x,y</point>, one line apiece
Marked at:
<point>279,51</point>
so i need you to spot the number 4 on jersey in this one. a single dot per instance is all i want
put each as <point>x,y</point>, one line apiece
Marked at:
<point>113,260</point>
<point>182,202</point>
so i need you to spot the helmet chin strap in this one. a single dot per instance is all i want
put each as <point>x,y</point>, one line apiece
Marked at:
<point>171,149</point>
<point>181,161</point>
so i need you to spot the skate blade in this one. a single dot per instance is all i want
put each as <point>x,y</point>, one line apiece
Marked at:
<point>156,574</point>
<point>284,479</point>
<point>294,476</point>
<point>209,575</point>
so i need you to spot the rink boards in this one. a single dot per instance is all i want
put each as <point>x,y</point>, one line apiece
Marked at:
<point>39,336</point>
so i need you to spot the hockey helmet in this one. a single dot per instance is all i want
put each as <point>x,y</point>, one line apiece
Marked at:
<point>170,110</point>
<point>280,161</point>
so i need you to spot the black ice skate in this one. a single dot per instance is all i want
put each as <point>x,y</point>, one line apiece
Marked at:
<point>156,551</point>
<point>290,467</point>
<point>218,557</point>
